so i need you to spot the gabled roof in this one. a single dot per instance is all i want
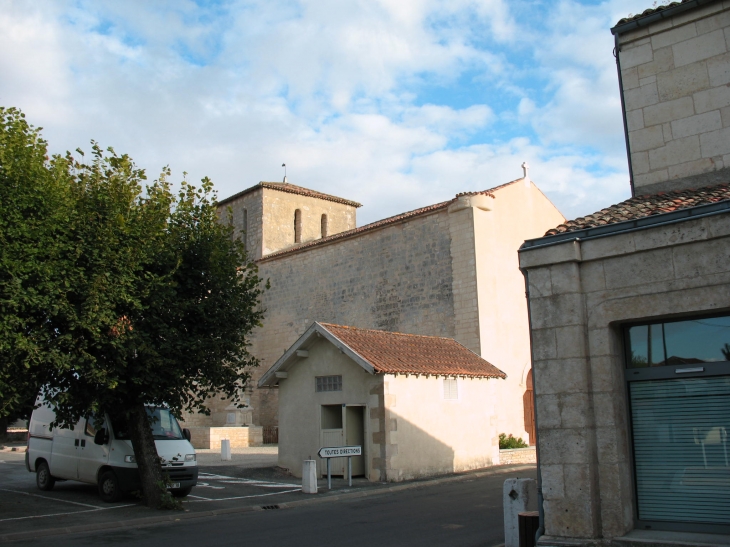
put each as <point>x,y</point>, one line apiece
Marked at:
<point>291,189</point>
<point>644,206</point>
<point>381,352</point>
<point>384,222</point>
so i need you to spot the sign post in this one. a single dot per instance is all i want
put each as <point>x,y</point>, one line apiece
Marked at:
<point>348,452</point>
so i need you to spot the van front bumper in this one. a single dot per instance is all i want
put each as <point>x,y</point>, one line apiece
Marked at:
<point>129,477</point>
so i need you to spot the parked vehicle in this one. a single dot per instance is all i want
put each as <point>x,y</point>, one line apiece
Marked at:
<point>99,451</point>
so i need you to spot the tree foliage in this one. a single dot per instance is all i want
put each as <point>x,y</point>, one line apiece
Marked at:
<point>150,301</point>
<point>33,208</point>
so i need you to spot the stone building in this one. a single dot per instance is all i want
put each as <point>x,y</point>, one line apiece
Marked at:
<point>449,270</point>
<point>417,405</point>
<point>630,309</point>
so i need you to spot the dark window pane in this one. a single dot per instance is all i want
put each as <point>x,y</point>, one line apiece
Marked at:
<point>638,351</point>
<point>698,340</point>
<point>680,342</point>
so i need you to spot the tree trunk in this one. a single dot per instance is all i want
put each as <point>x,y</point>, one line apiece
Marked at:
<point>145,453</point>
<point>3,429</point>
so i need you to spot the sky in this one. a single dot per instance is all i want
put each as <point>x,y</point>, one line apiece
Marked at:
<point>396,104</point>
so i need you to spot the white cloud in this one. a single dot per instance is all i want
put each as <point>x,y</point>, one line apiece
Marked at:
<point>333,89</point>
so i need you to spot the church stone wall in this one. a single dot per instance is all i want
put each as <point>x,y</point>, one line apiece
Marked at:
<point>395,278</point>
<point>252,205</point>
<point>278,218</point>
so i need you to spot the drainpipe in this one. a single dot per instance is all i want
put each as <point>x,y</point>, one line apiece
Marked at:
<point>541,511</point>
<point>616,51</point>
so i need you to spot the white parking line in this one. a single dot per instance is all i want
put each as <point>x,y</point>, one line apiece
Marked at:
<point>52,499</point>
<point>243,497</point>
<point>69,513</point>
<point>253,482</point>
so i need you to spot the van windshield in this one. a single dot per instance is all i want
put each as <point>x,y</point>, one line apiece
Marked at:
<point>164,426</point>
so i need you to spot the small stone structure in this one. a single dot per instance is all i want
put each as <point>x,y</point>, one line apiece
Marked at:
<point>240,437</point>
<point>418,405</point>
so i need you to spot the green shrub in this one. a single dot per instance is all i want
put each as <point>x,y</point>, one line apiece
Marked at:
<point>510,442</point>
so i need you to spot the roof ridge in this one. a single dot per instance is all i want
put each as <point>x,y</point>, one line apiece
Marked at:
<point>291,189</point>
<point>382,222</point>
<point>390,332</point>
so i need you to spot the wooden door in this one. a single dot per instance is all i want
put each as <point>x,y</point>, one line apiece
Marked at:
<point>528,402</point>
<point>355,436</point>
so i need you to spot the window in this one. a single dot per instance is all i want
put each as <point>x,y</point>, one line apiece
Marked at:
<point>451,388</point>
<point>678,381</point>
<point>686,342</point>
<point>298,226</point>
<point>328,383</point>
<point>324,225</point>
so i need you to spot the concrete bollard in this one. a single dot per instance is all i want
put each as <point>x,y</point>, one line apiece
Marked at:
<point>519,495</point>
<point>225,450</point>
<point>309,477</point>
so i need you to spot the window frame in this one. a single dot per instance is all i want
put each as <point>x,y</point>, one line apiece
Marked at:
<point>337,382</point>
<point>664,372</point>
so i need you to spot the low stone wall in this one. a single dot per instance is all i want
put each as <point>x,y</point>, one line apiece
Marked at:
<point>517,455</point>
<point>15,435</point>
<point>240,437</point>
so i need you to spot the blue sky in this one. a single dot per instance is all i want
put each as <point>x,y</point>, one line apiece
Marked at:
<point>396,104</point>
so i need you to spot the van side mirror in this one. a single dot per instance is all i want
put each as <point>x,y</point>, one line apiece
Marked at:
<point>187,434</point>
<point>101,437</point>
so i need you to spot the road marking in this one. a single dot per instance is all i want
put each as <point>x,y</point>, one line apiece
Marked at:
<point>263,484</point>
<point>245,497</point>
<point>69,513</point>
<point>239,480</point>
<point>206,485</point>
<point>52,499</point>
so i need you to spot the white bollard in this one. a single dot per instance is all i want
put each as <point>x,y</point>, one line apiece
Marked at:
<point>225,450</point>
<point>309,477</point>
<point>518,495</point>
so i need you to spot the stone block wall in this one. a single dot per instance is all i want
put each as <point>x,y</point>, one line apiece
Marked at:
<point>676,87</point>
<point>396,278</point>
<point>278,219</point>
<point>581,293</point>
<point>511,456</point>
<point>240,437</point>
<point>247,209</point>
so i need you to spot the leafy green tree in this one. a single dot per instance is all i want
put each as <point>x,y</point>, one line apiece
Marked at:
<point>149,301</point>
<point>33,214</point>
<point>161,298</point>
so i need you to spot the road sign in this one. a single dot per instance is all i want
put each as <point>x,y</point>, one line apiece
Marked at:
<point>340,451</point>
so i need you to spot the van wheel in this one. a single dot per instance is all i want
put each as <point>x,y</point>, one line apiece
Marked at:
<point>109,487</point>
<point>43,477</point>
<point>181,492</point>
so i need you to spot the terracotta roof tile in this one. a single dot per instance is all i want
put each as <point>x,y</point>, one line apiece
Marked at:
<point>651,11</point>
<point>378,224</point>
<point>291,189</point>
<point>397,353</point>
<point>644,206</point>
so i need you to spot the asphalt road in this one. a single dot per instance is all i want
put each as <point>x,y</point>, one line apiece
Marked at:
<point>464,512</point>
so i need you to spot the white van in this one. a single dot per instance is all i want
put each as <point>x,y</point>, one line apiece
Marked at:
<point>104,456</point>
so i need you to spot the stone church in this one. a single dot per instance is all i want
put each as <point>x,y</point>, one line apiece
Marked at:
<point>449,269</point>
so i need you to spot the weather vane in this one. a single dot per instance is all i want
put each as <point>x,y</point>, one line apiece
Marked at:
<point>284,166</point>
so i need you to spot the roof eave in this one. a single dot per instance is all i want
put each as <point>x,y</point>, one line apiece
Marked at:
<point>289,359</point>
<point>658,15</point>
